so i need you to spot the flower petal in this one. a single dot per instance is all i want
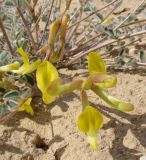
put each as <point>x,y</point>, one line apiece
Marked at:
<point>9,67</point>
<point>24,55</point>
<point>27,107</point>
<point>114,102</point>
<point>99,79</point>
<point>46,73</point>
<point>25,69</point>
<point>93,141</point>
<point>96,63</point>
<point>109,81</point>
<point>47,98</point>
<point>89,122</point>
<point>90,119</point>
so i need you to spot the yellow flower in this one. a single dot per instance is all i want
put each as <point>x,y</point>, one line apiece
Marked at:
<point>9,67</point>
<point>89,122</point>
<point>27,107</point>
<point>97,71</point>
<point>47,81</point>
<point>96,63</point>
<point>26,67</point>
<point>98,80</point>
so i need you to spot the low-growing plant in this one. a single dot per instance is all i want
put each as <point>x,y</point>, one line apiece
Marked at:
<point>34,71</point>
<point>52,86</point>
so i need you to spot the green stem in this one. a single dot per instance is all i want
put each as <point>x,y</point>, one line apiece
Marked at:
<point>84,99</point>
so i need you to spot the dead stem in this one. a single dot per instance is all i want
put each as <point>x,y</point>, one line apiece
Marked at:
<point>35,18</point>
<point>98,10</point>
<point>90,40</point>
<point>71,33</point>
<point>48,19</point>
<point>26,26</point>
<point>105,43</point>
<point>117,49</point>
<point>82,46</point>
<point>130,14</point>
<point>6,37</point>
<point>8,116</point>
<point>132,23</point>
<point>38,20</point>
<point>34,3</point>
<point>67,6</point>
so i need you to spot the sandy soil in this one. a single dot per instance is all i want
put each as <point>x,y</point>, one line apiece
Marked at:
<point>121,138</point>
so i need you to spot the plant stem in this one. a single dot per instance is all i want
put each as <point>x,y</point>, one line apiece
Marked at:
<point>71,33</point>
<point>90,40</point>
<point>132,23</point>
<point>84,99</point>
<point>6,37</point>
<point>48,19</point>
<point>105,43</point>
<point>117,49</point>
<point>26,26</point>
<point>38,20</point>
<point>92,14</point>
<point>6,117</point>
<point>67,6</point>
<point>130,14</point>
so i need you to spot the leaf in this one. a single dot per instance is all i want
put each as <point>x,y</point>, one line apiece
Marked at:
<point>109,47</point>
<point>108,1</point>
<point>112,34</point>
<point>131,62</point>
<point>88,7</point>
<point>11,95</point>
<point>96,63</point>
<point>8,3</point>
<point>100,16</point>
<point>44,17</point>
<point>26,92</point>
<point>132,17</point>
<point>3,56</point>
<point>29,79</point>
<point>6,108</point>
<point>114,102</point>
<point>142,56</point>
<point>118,4</point>
<point>100,28</point>
<point>12,103</point>
<point>89,122</point>
<point>3,109</point>
<point>122,53</point>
